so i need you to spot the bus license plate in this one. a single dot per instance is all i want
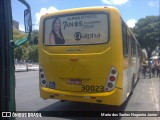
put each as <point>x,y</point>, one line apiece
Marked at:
<point>75,82</point>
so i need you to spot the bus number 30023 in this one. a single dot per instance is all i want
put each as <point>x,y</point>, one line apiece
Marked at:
<point>92,88</point>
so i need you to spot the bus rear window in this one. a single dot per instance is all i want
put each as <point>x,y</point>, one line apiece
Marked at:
<point>91,28</point>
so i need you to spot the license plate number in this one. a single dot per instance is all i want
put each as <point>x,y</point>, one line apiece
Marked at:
<point>75,82</point>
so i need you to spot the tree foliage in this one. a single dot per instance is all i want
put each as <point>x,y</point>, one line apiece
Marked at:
<point>27,51</point>
<point>147,32</point>
<point>34,37</point>
<point>18,34</point>
<point>33,53</point>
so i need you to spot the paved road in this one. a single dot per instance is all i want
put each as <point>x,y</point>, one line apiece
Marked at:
<point>145,98</point>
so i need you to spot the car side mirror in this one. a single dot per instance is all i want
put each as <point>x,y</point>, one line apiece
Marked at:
<point>28,20</point>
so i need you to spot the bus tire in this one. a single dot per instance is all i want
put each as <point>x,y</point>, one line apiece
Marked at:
<point>63,100</point>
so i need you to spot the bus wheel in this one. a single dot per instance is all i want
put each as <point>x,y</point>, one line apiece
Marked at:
<point>63,100</point>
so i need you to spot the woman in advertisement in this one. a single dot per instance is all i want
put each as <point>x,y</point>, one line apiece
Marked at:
<point>56,36</point>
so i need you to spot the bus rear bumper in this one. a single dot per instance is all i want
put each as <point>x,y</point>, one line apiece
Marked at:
<point>109,98</point>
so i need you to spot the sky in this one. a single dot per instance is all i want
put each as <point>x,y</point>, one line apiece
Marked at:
<point>130,10</point>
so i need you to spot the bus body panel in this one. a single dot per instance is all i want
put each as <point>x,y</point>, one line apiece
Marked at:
<point>90,69</point>
<point>110,98</point>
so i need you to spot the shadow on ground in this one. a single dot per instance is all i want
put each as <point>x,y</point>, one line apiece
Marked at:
<point>79,110</point>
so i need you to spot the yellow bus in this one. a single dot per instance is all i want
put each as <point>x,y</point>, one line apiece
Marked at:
<point>87,55</point>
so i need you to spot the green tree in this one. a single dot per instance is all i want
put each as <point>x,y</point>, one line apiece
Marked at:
<point>19,51</point>
<point>146,31</point>
<point>33,53</point>
<point>27,51</point>
<point>33,49</point>
<point>34,37</point>
<point>18,34</point>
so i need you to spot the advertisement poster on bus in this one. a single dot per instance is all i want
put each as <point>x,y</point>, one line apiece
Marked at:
<point>76,29</point>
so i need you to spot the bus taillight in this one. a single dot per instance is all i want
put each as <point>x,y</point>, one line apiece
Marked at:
<point>43,81</point>
<point>112,78</point>
<point>113,71</point>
